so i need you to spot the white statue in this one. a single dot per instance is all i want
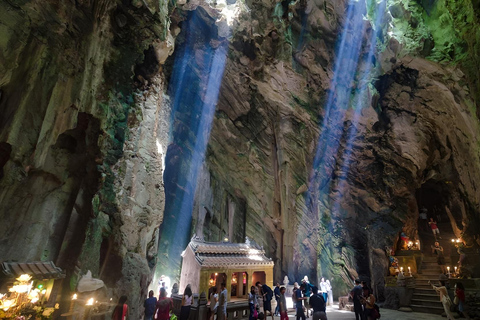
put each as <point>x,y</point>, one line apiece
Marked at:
<point>87,283</point>
<point>285,281</point>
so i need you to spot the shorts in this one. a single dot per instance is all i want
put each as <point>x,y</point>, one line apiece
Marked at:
<point>436,231</point>
<point>306,302</point>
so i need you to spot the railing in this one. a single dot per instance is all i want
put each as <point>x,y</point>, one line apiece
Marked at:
<point>237,310</point>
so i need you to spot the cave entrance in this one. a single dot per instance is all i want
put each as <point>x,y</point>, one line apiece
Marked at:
<point>434,197</point>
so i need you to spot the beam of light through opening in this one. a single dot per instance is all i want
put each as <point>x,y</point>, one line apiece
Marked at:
<point>195,86</point>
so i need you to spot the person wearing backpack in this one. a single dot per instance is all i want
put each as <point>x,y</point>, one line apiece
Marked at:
<point>318,305</point>
<point>267,294</point>
<point>298,300</point>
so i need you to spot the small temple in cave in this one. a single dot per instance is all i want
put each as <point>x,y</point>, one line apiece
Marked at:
<point>238,265</point>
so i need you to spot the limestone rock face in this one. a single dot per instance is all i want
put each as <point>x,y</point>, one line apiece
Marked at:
<point>82,155</point>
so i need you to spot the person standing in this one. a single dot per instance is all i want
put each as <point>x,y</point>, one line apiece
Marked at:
<point>187,300</point>
<point>434,227</point>
<point>276,293</point>
<point>149,306</point>
<point>307,292</point>
<point>444,298</point>
<point>438,250</point>
<point>299,301</point>
<point>222,303</point>
<point>121,309</point>
<point>213,303</point>
<point>252,303</point>
<point>423,219</point>
<point>283,304</point>
<point>324,289</point>
<point>164,305</point>
<point>356,295</point>
<point>329,293</point>
<point>370,312</point>
<point>318,305</point>
<point>460,299</point>
<point>267,294</point>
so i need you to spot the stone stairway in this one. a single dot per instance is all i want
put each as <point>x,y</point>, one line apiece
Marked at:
<point>425,299</point>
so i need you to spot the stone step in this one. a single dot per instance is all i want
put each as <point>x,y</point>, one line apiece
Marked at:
<point>427,309</point>
<point>429,291</point>
<point>426,296</point>
<point>427,303</point>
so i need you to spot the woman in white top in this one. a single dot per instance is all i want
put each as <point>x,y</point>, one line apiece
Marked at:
<point>329,292</point>
<point>187,301</point>
<point>252,302</point>
<point>213,303</point>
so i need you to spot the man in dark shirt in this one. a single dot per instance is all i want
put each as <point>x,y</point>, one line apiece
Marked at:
<point>356,295</point>
<point>276,292</point>
<point>149,305</point>
<point>299,302</point>
<point>318,305</point>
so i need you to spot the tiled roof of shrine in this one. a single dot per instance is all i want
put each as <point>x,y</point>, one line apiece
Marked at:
<point>223,254</point>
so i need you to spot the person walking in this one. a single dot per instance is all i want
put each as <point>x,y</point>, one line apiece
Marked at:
<point>187,301</point>
<point>434,227</point>
<point>121,309</point>
<point>164,305</point>
<point>318,305</point>
<point>276,293</point>
<point>149,305</point>
<point>283,304</point>
<point>297,296</point>
<point>267,295</point>
<point>222,303</point>
<point>307,292</point>
<point>356,295</point>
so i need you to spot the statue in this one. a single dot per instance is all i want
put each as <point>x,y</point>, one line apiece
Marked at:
<point>88,283</point>
<point>285,281</point>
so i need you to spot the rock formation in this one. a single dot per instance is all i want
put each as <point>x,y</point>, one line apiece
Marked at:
<point>98,138</point>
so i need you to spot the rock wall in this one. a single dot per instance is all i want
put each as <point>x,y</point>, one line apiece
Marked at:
<point>84,128</point>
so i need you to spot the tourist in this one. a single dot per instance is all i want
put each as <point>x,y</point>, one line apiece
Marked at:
<point>435,230</point>
<point>267,295</point>
<point>283,304</point>
<point>222,303</point>
<point>423,221</point>
<point>318,305</point>
<point>329,293</point>
<point>164,305</point>
<point>252,303</point>
<point>366,291</point>
<point>149,306</point>
<point>307,292</point>
<point>460,299</point>
<point>356,295</point>
<point>276,293</point>
<point>324,289</point>
<point>187,300</point>
<point>370,311</point>
<point>213,303</point>
<point>121,309</point>
<point>438,250</point>
<point>444,298</point>
<point>297,298</point>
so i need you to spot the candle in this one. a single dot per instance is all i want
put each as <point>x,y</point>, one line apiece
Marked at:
<point>401,269</point>
<point>455,269</point>
<point>453,240</point>
<point>409,271</point>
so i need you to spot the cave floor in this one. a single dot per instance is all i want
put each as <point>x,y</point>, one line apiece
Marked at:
<point>334,314</point>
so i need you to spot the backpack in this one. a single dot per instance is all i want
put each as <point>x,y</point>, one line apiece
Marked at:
<point>294,295</point>
<point>377,308</point>
<point>269,292</point>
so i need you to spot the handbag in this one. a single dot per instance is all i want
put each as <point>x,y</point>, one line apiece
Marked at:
<point>173,317</point>
<point>456,301</point>
<point>255,314</point>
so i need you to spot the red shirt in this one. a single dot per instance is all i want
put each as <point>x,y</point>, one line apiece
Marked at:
<point>460,294</point>
<point>163,308</point>
<point>433,225</point>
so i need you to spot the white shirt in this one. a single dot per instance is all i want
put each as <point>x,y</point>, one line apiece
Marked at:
<point>222,301</point>
<point>323,286</point>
